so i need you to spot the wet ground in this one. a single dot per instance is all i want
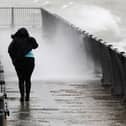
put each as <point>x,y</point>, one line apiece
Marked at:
<point>66,104</point>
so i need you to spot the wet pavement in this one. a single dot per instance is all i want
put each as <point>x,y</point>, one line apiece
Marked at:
<point>66,104</point>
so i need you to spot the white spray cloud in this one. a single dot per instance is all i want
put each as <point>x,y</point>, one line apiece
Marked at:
<point>94,19</point>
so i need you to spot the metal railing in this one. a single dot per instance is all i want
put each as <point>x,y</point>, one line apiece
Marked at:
<point>104,55</point>
<point>19,16</point>
<point>3,98</point>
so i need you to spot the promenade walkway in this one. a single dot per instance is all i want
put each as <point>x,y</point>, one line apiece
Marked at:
<point>65,104</point>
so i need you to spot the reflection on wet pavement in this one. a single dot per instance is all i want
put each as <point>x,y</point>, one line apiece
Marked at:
<point>66,104</point>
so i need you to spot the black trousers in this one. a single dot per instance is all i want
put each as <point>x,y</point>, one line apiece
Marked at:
<point>24,69</point>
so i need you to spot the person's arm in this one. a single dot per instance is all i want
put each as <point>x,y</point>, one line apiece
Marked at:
<point>10,49</point>
<point>12,52</point>
<point>34,43</point>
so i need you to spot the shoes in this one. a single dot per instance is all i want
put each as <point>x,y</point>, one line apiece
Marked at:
<point>22,99</point>
<point>27,99</point>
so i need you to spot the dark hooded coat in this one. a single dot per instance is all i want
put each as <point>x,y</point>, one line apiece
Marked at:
<point>21,44</point>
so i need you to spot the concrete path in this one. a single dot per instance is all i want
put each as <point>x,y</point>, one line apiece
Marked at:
<point>65,104</point>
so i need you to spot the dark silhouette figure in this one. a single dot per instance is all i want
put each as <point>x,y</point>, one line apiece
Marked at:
<point>20,51</point>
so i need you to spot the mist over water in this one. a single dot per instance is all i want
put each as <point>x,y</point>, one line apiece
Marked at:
<point>65,52</point>
<point>59,57</point>
<point>61,54</point>
<point>104,19</point>
<point>96,20</point>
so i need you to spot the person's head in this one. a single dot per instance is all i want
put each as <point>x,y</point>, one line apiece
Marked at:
<point>21,33</point>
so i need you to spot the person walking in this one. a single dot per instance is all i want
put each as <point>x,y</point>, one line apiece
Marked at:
<point>20,52</point>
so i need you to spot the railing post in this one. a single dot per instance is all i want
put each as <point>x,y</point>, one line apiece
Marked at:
<point>2,114</point>
<point>106,64</point>
<point>12,16</point>
<point>117,74</point>
<point>41,14</point>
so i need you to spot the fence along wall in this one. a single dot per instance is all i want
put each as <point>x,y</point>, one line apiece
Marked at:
<point>20,16</point>
<point>100,56</point>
